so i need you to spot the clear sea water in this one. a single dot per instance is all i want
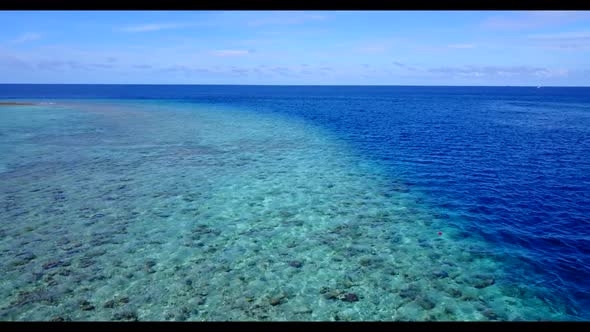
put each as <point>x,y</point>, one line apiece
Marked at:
<point>294,203</point>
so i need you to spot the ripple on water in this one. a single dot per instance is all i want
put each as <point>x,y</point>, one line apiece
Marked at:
<point>179,212</point>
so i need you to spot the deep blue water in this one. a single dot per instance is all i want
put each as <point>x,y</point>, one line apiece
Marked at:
<point>511,163</point>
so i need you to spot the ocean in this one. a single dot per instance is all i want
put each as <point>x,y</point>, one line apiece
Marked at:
<point>294,203</point>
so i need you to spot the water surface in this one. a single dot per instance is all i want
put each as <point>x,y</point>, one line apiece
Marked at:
<point>294,203</point>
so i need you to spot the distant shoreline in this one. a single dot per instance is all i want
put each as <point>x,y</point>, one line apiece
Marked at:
<point>13,103</point>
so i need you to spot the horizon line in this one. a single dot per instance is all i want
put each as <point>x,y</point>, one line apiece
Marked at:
<point>343,85</point>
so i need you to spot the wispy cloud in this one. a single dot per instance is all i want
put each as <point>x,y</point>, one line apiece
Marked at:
<point>230,52</point>
<point>239,71</point>
<point>286,19</point>
<point>563,36</point>
<point>38,62</point>
<point>579,40</point>
<point>288,70</point>
<point>280,70</point>
<point>26,37</point>
<point>499,71</point>
<point>12,61</point>
<point>102,65</point>
<point>185,69</point>
<point>533,19</point>
<point>142,66</point>
<point>460,46</point>
<point>152,27</point>
<point>60,65</point>
<point>404,66</point>
<point>257,42</point>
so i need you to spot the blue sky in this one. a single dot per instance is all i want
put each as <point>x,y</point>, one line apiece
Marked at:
<point>296,47</point>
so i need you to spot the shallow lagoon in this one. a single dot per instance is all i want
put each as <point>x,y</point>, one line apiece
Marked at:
<point>162,210</point>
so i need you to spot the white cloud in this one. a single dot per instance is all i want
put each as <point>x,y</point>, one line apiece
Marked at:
<point>503,71</point>
<point>286,19</point>
<point>579,40</point>
<point>152,27</point>
<point>13,61</point>
<point>231,52</point>
<point>562,35</point>
<point>461,46</point>
<point>533,19</point>
<point>405,66</point>
<point>26,37</point>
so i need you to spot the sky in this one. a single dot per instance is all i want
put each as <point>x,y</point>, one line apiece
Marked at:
<point>532,48</point>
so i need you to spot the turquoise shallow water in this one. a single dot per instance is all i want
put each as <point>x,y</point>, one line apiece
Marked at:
<point>162,210</point>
